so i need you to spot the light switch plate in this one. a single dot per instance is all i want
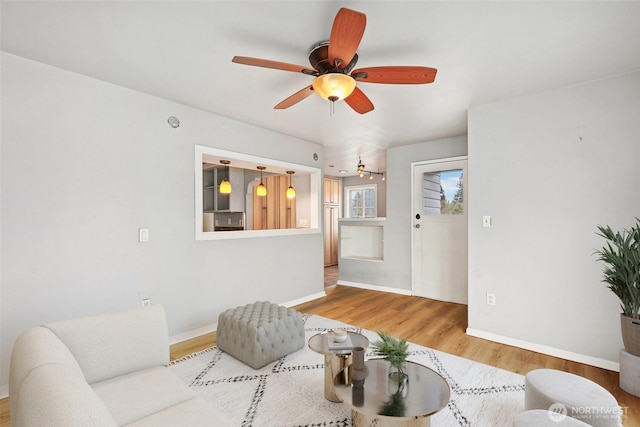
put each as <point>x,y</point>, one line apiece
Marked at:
<point>486,221</point>
<point>143,235</point>
<point>491,299</point>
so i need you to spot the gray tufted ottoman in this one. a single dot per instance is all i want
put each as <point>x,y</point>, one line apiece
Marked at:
<point>260,333</point>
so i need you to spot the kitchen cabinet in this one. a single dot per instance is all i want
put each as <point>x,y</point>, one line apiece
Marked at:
<point>212,199</point>
<point>331,215</point>
<point>332,191</point>
<point>332,211</point>
<point>274,211</point>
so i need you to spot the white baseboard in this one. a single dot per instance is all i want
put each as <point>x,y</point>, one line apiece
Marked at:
<point>550,351</point>
<point>4,391</point>
<point>184,336</point>
<point>304,299</point>
<point>375,287</point>
<point>193,333</point>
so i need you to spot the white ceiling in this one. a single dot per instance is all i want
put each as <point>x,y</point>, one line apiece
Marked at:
<point>182,50</point>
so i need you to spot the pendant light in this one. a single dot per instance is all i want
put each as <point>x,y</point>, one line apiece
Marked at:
<point>291,192</point>
<point>261,190</point>
<point>225,185</point>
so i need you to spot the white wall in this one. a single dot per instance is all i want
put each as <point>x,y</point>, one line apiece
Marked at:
<point>395,271</point>
<point>549,168</point>
<point>84,165</point>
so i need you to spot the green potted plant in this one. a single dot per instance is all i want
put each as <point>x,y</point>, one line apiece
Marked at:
<point>395,406</point>
<point>395,351</point>
<point>621,254</point>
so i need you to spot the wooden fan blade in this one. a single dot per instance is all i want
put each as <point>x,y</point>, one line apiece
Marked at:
<point>395,75</point>
<point>359,101</point>
<point>346,33</point>
<point>295,98</point>
<point>266,63</point>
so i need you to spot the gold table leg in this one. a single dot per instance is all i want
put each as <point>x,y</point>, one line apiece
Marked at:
<point>358,419</point>
<point>333,365</point>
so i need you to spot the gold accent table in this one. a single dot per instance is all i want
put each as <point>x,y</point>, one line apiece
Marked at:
<point>382,402</point>
<point>335,361</point>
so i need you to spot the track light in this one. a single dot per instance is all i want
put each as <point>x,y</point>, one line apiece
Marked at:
<point>361,171</point>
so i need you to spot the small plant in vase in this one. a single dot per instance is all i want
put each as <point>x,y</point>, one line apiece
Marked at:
<point>395,406</point>
<point>395,351</point>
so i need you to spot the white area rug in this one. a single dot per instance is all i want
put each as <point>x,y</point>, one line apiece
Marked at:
<point>290,391</point>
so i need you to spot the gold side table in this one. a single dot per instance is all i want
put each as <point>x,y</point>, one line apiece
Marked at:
<point>336,360</point>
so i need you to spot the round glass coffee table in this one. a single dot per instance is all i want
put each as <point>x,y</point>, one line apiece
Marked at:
<point>337,357</point>
<point>381,401</point>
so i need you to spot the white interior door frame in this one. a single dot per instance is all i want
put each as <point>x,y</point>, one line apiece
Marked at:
<point>414,184</point>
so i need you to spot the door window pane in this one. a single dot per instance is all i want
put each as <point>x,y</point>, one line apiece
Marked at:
<point>443,193</point>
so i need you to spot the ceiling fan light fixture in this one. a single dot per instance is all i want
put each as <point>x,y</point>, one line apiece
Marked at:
<point>334,86</point>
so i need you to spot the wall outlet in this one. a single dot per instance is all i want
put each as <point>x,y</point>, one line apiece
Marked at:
<point>146,302</point>
<point>486,221</point>
<point>491,299</point>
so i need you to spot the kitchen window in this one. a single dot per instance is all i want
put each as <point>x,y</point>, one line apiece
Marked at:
<point>360,201</point>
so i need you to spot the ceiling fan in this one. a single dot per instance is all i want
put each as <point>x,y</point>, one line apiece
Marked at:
<point>332,61</point>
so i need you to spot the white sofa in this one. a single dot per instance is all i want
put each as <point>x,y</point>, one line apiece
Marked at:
<point>106,370</point>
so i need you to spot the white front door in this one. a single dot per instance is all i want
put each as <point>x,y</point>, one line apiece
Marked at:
<point>439,255</point>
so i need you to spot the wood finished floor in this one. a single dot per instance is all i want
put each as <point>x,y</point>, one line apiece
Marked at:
<point>430,323</point>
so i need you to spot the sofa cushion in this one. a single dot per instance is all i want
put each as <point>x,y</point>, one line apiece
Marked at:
<point>137,395</point>
<point>56,395</point>
<point>193,413</point>
<point>114,344</point>
<point>34,348</point>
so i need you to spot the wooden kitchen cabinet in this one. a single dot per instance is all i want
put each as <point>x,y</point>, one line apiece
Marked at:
<point>332,211</point>
<point>331,215</point>
<point>332,191</point>
<point>274,211</point>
